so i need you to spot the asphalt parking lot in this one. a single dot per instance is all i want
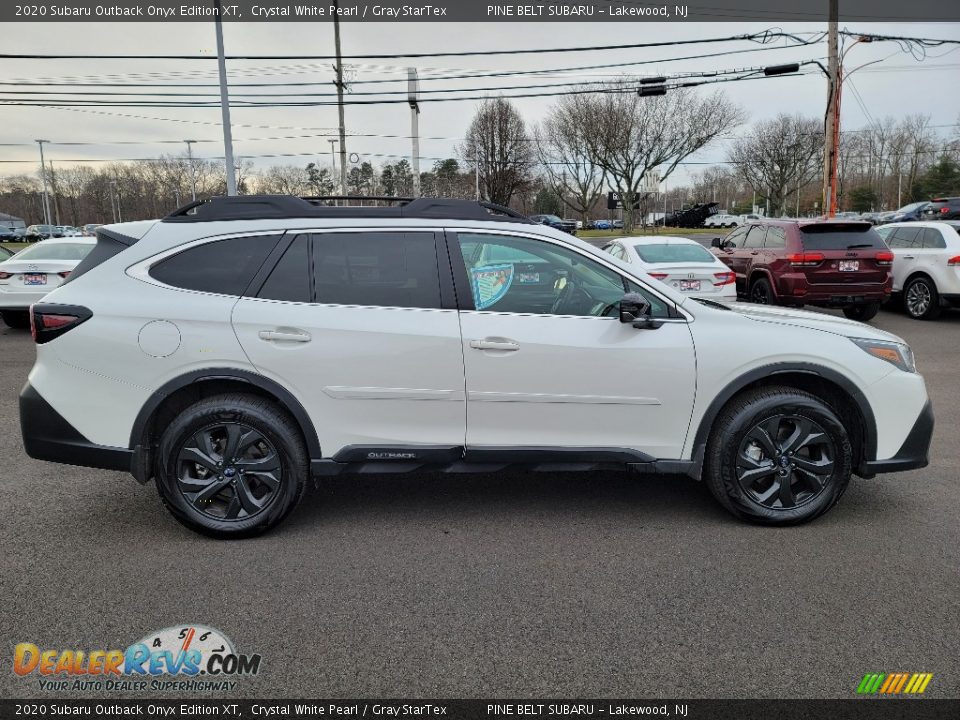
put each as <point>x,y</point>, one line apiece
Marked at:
<point>504,586</point>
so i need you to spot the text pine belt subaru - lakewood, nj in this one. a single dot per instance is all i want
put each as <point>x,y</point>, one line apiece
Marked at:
<point>242,345</point>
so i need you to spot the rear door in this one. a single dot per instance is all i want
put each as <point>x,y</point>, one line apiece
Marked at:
<point>733,256</point>
<point>903,242</point>
<point>362,327</point>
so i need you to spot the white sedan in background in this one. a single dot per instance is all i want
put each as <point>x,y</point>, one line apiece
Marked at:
<point>685,265</point>
<point>926,265</point>
<point>33,272</point>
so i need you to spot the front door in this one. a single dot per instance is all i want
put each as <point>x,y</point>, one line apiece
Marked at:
<point>353,324</point>
<point>549,366</point>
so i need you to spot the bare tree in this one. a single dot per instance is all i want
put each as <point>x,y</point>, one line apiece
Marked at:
<point>570,169</point>
<point>779,155</point>
<point>628,136</point>
<point>497,141</point>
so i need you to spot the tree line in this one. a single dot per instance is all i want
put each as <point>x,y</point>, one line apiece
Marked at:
<point>588,144</point>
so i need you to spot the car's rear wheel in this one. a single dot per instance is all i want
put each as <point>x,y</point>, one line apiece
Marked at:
<point>18,319</point>
<point>231,466</point>
<point>778,456</point>
<point>921,299</point>
<point>761,292</point>
<point>864,312</point>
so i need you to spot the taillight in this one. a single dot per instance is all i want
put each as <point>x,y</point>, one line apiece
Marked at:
<point>5,276</point>
<point>49,321</point>
<point>884,258</point>
<point>944,209</point>
<point>955,260</point>
<point>64,274</point>
<point>805,259</point>
<point>724,278</point>
<point>658,275</point>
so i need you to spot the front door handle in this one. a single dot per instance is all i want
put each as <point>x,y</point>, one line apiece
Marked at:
<point>502,345</point>
<point>909,257</point>
<point>280,336</point>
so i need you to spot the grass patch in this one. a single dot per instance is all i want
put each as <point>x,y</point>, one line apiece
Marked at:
<point>14,246</point>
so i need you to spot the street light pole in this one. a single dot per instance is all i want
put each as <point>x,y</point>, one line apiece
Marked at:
<point>43,176</point>
<point>340,87</point>
<point>225,105</point>
<point>193,172</point>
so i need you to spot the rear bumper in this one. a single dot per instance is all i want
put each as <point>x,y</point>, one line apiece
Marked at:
<point>913,454</point>
<point>794,287</point>
<point>48,436</point>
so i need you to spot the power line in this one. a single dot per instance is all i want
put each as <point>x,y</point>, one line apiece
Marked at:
<point>764,37</point>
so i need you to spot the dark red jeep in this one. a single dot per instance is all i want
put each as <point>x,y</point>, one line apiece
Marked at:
<point>810,262</point>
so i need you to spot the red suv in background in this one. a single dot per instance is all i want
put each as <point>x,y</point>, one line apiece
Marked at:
<point>791,262</point>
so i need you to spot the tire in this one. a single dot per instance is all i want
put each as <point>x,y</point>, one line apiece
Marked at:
<point>195,441</point>
<point>17,319</point>
<point>784,495</point>
<point>761,292</point>
<point>921,299</point>
<point>863,313</point>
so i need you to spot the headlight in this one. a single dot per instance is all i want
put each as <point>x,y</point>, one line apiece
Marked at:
<point>897,354</point>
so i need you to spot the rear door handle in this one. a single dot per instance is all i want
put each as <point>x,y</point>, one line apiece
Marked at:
<point>909,257</point>
<point>279,336</point>
<point>494,345</point>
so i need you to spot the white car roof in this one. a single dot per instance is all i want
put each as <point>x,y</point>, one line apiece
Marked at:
<point>660,240</point>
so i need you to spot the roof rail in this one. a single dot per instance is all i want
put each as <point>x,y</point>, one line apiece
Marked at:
<point>270,207</point>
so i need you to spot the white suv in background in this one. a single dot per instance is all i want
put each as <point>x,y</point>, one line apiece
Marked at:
<point>242,345</point>
<point>723,220</point>
<point>926,265</point>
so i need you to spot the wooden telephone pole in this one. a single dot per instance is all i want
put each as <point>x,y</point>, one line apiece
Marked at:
<point>831,136</point>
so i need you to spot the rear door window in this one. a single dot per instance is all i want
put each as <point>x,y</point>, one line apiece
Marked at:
<point>776,238</point>
<point>225,267</point>
<point>383,269</point>
<point>905,238</point>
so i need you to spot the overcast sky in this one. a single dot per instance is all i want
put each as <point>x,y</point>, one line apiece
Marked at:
<point>898,85</point>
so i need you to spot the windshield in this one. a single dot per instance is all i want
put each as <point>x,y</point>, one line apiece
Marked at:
<point>56,251</point>
<point>911,206</point>
<point>667,253</point>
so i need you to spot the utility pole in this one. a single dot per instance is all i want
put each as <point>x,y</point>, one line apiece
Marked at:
<point>333,161</point>
<point>339,70</point>
<point>413,90</point>
<point>831,136</point>
<point>476,163</point>
<point>224,105</point>
<point>43,176</point>
<point>193,172</point>
<point>113,208</point>
<point>56,196</point>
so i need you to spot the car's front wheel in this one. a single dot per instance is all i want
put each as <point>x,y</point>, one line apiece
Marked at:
<point>231,466</point>
<point>778,456</point>
<point>864,312</point>
<point>921,299</point>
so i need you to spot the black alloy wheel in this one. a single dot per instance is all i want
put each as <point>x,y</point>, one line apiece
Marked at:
<point>785,461</point>
<point>760,292</point>
<point>231,465</point>
<point>229,471</point>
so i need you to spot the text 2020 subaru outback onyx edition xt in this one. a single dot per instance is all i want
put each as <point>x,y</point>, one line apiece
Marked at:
<point>240,346</point>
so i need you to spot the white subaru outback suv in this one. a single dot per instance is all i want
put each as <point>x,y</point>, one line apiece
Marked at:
<point>241,346</point>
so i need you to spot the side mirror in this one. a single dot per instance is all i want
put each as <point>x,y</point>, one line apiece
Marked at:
<point>716,242</point>
<point>635,309</point>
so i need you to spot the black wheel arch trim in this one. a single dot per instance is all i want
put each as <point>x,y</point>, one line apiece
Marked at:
<point>913,454</point>
<point>724,396</point>
<point>284,396</point>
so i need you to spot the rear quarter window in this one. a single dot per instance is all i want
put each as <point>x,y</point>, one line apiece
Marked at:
<point>225,267</point>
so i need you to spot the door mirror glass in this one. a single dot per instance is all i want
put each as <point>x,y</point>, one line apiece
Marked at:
<point>716,242</point>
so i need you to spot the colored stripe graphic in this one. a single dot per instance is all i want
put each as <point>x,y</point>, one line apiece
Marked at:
<point>894,683</point>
